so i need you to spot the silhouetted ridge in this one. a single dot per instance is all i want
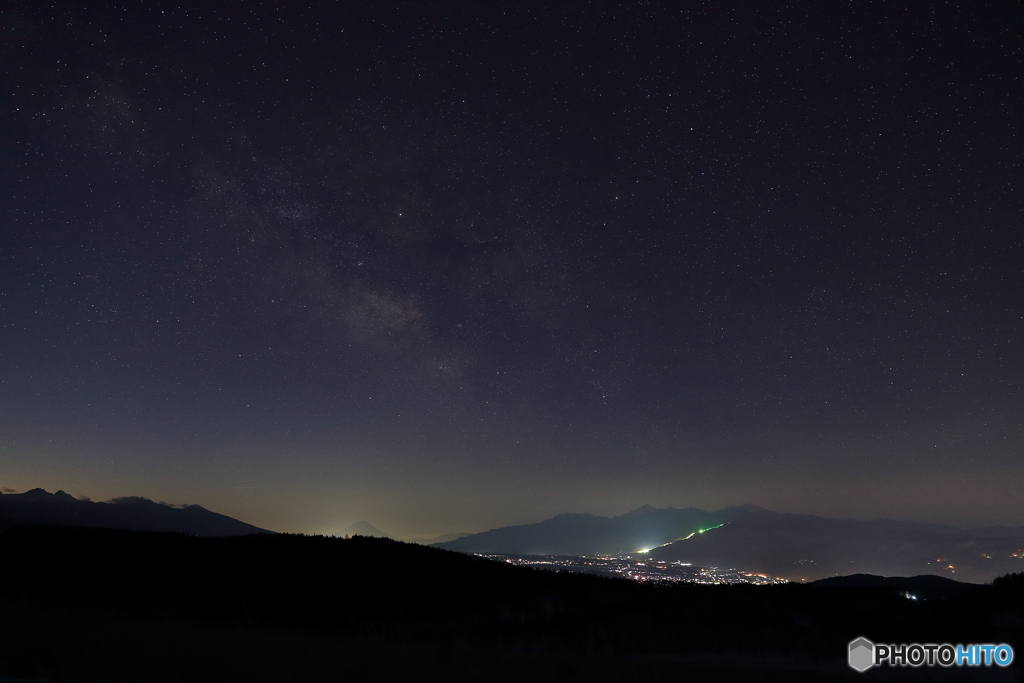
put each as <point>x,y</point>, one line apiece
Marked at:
<point>925,587</point>
<point>452,602</point>
<point>752,538</point>
<point>809,547</point>
<point>586,534</point>
<point>364,528</point>
<point>130,512</point>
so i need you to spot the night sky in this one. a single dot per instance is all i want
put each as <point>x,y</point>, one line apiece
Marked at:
<point>452,266</point>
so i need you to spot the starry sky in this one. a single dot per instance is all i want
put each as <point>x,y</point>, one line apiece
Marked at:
<point>450,266</point>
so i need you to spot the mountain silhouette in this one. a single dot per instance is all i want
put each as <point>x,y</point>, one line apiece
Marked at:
<point>927,587</point>
<point>585,534</point>
<point>132,513</point>
<point>808,547</point>
<point>364,528</point>
<point>443,538</point>
<point>752,538</point>
<point>107,604</point>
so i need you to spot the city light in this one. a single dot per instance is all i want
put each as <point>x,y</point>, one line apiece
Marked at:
<point>625,566</point>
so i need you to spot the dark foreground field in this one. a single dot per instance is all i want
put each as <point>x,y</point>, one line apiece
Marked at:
<point>104,605</point>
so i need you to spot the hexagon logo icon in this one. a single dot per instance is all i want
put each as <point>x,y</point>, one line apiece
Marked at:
<point>862,654</point>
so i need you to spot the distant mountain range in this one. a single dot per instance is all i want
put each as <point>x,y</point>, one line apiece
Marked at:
<point>795,547</point>
<point>364,528</point>
<point>585,534</point>
<point>750,538</point>
<point>808,547</point>
<point>141,514</point>
<point>133,513</point>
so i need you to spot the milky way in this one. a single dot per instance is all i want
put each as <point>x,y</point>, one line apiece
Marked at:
<point>447,268</point>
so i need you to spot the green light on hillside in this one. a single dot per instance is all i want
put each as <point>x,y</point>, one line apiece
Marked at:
<point>700,531</point>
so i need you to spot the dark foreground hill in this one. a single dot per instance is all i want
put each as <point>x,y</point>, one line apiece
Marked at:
<point>925,587</point>
<point>95,604</point>
<point>364,528</point>
<point>134,513</point>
